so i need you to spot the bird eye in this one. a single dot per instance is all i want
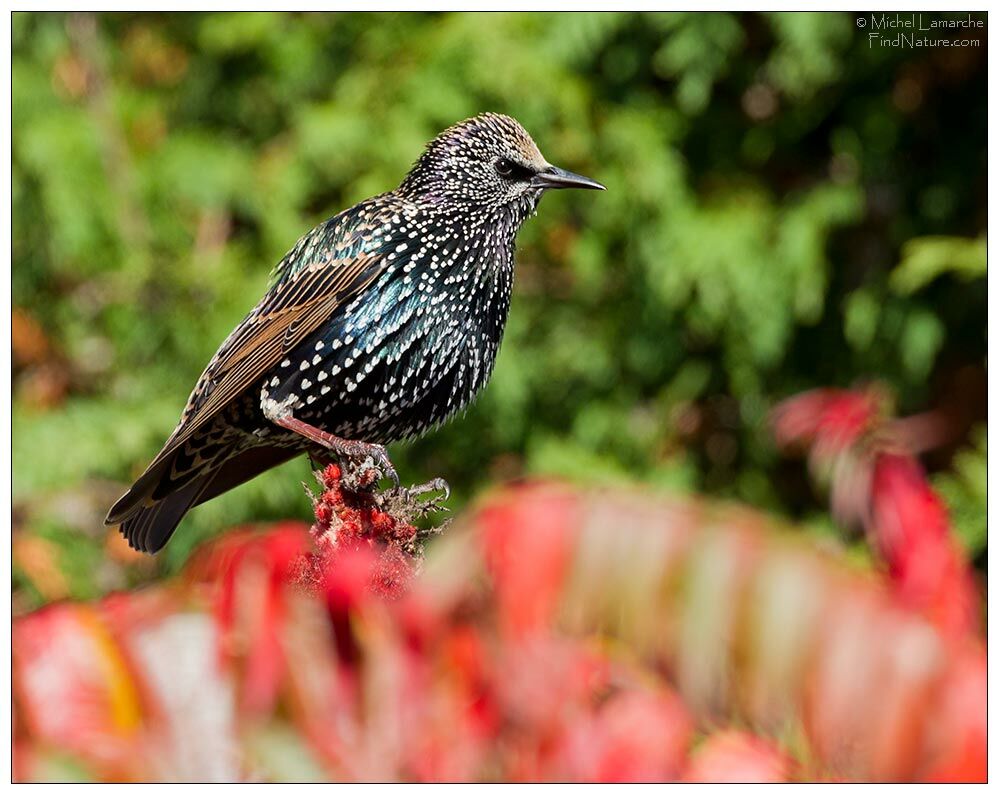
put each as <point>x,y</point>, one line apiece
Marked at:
<point>504,167</point>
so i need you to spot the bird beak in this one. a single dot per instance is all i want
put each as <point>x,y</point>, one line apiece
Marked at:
<point>552,178</point>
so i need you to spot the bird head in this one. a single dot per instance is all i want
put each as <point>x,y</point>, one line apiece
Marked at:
<point>488,162</point>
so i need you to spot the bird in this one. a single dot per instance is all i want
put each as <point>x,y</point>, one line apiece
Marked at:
<point>379,325</point>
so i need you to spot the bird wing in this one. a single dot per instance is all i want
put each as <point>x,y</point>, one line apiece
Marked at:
<point>302,299</point>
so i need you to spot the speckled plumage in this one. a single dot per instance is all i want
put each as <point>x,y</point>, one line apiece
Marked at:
<point>379,324</point>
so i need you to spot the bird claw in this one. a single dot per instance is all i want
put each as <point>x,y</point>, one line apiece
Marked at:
<point>384,465</point>
<point>408,496</point>
<point>437,484</point>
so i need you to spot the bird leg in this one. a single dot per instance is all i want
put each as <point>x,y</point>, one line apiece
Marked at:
<point>280,415</point>
<point>376,454</point>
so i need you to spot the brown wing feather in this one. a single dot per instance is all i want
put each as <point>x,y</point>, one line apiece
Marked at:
<point>307,293</point>
<point>286,316</point>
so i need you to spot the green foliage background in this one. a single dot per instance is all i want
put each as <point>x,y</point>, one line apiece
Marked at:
<point>787,207</point>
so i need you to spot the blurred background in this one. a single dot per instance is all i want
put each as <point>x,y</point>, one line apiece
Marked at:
<point>787,208</point>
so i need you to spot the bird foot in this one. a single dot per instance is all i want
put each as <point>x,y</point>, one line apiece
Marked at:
<point>401,501</point>
<point>362,475</point>
<point>370,463</point>
<point>357,452</point>
<point>409,495</point>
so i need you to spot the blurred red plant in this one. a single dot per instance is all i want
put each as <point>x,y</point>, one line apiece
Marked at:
<point>875,481</point>
<point>552,634</point>
<point>737,757</point>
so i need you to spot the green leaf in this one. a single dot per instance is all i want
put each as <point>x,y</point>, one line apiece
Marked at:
<point>926,258</point>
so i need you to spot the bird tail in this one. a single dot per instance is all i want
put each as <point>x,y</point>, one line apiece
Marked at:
<point>148,528</point>
<point>150,511</point>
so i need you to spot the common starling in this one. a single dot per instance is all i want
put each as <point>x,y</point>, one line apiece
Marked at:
<point>380,324</point>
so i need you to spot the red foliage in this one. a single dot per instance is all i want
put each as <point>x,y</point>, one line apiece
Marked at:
<point>957,749</point>
<point>734,757</point>
<point>73,689</point>
<point>914,537</point>
<point>348,520</point>
<point>636,736</point>
<point>540,534</point>
<point>555,634</point>
<point>358,550</point>
<point>828,420</point>
<point>878,483</point>
<point>251,572</point>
